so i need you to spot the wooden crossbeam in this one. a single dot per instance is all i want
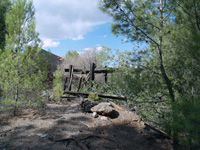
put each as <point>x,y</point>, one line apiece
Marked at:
<point>100,95</point>
<point>87,71</point>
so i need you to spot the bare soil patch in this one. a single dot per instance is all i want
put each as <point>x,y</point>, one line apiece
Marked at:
<point>66,126</point>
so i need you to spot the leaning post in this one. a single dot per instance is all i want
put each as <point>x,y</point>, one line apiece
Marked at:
<point>92,67</point>
<point>71,68</point>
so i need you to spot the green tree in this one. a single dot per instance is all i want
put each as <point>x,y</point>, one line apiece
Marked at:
<point>168,68</point>
<point>71,54</point>
<point>4,6</point>
<point>58,84</point>
<point>150,22</point>
<point>183,62</point>
<point>144,21</point>
<point>104,57</point>
<point>23,69</point>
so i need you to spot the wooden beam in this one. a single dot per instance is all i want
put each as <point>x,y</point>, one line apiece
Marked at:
<point>75,70</point>
<point>86,80</point>
<point>92,67</point>
<point>100,95</point>
<point>71,69</point>
<point>106,77</point>
<point>80,82</point>
<point>87,71</point>
<point>101,71</point>
<point>67,96</point>
<point>65,83</point>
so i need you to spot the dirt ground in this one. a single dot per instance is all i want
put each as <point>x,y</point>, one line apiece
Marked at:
<point>67,127</point>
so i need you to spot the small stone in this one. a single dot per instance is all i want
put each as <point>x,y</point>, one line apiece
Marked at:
<point>103,118</point>
<point>42,135</point>
<point>95,115</point>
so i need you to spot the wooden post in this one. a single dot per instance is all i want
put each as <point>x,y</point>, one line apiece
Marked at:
<point>92,67</point>
<point>80,81</point>
<point>106,78</point>
<point>86,80</point>
<point>71,68</point>
<point>106,73</point>
<point>65,83</point>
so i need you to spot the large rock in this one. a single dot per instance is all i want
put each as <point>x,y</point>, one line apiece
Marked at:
<point>105,109</point>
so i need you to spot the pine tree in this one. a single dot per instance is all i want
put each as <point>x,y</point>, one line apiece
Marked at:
<point>170,71</point>
<point>4,6</point>
<point>23,69</point>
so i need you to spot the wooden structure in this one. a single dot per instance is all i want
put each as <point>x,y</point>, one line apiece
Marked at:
<point>89,78</point>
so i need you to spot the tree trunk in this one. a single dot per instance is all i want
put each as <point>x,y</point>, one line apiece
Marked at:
<point>17,87</point>
<point>164,74</point>
<point>162,68</point>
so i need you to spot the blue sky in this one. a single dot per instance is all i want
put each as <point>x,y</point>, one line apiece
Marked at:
<point>100,36</point>
<point>75,25</point>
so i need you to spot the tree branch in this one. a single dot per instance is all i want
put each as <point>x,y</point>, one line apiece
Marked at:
<point>137,28</point>
<point>167,16</point>
<point>186,11</point>
<point>141,19</point>
<point>149,69</point>
<point>196,15</point>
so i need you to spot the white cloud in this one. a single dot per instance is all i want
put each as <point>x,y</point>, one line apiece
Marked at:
<point>61,19</point>
<point>99,48</point>
<point>80,37</point>
<point>81,53</point>
<point>50,43</point>
<point>87,49</point>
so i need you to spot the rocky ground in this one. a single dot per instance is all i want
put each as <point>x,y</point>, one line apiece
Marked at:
<point>67,127</point>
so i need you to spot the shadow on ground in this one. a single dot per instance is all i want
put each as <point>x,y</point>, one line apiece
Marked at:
<point>67,127</point>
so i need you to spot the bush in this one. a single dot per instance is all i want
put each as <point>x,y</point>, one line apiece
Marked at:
<point>185,122</point>
<point>93,96</point>
<point>58,84</point>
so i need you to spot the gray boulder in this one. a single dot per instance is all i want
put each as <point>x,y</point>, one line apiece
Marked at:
<point>105,109</point>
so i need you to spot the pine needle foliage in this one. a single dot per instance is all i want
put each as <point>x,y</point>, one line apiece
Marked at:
<point>23,66</point>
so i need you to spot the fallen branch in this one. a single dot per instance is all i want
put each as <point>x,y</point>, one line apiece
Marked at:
<point>68,140</point>
<point>81,145</point>
<point>100,95</point>
<point>76,141</point>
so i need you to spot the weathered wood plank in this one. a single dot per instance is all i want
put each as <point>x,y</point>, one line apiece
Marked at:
<point>95,71</point>
<point>100,95</point>
<point>75,70</point>
<point>70,77</point>
<point>92,67</point>
<point>65,83</point>
<point>80,82</point>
